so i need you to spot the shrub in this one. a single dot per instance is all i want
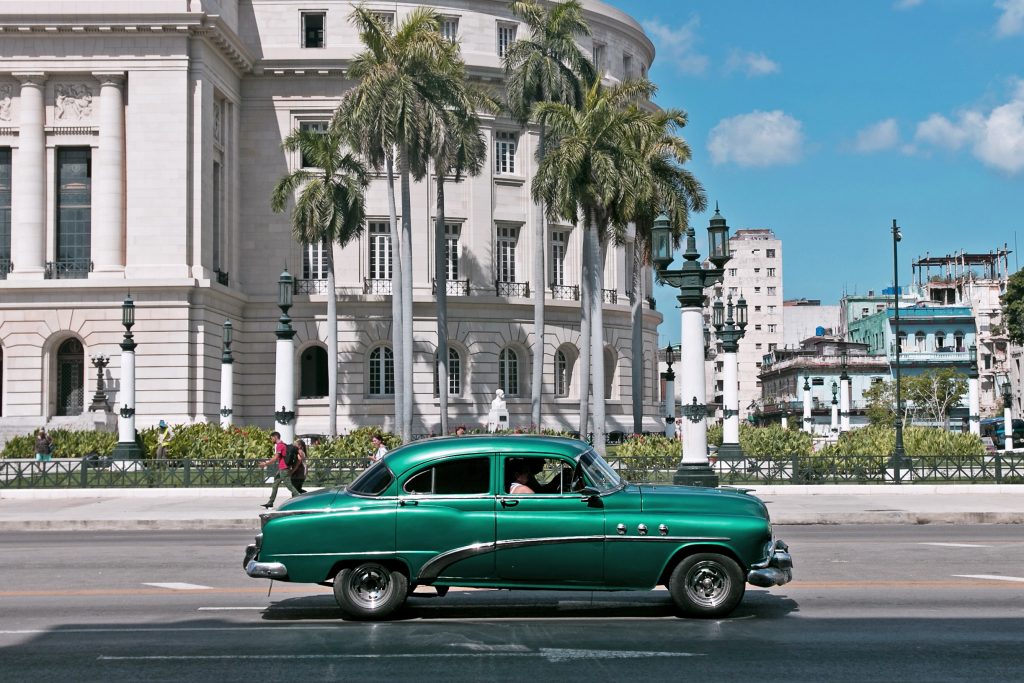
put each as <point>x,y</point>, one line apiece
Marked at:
<point>66,444</point>
<point>917,441</point>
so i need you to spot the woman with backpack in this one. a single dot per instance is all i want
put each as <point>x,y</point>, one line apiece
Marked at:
<point>299,468</point>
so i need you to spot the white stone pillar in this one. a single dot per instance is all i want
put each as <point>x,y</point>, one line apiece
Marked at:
<point>695,434</point>
<point>973,406</point>
<point>784,421</point>
<point>126,415</point>
<point>28,190</point>
<point>730,398</point>
<point>227,394</point>
<point>835,416</point>
<point>670,408</point>
<point>1008,428</point>
<point>284,389</point>
<point>844,405</point>
<point>108,178</point>
<point>808,422</point>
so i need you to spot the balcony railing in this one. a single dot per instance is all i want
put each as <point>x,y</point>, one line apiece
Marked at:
<point>511,288</point>
<point>6,266</point>
<point>376,285</point>
<point>945,355</point>
<point>452,287</point>
<point>68,269</point>
<point>565,292</point>
<point>652,304</point>
<point>222,278</point>
<point>310,286</point>
<point>610,296</point>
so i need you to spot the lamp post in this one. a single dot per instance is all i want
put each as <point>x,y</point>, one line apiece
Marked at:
<point>691,280</point>
<point>730,330</point>
<point>973,397</point>
<point>670,393</point>
<point>899,456</point>
<point>808,420</point>
<point>844,392</point>
<point>127,448</point>
<point>835,408</point>
<point>784,419</point>
<point>284,376</point>
<point>1007,414</point>
<point>227,389</point>
<point>99,399</point>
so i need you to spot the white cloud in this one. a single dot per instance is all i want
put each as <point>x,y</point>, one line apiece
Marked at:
<point>875,138</point>
<point>907,4</point>
<point>761,138</point>
<point>679,45</point>
<point>751,64</point>
<point>1011,21</point>
<point>996,138</point>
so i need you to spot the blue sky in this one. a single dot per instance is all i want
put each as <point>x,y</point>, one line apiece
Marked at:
<point>824,121</point>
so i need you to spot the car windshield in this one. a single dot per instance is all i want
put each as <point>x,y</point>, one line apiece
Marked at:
<point>373,482</point>
<point>597,472</point>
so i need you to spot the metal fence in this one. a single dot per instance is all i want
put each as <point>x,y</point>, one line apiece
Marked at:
<point>200,472</point>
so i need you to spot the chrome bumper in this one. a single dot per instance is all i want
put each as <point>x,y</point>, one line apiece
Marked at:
<point>261,570</point>
<point>776,570</point>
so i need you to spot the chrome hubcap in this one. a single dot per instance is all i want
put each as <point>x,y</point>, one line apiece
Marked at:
<point>369,586</point>
<point>707,584</point>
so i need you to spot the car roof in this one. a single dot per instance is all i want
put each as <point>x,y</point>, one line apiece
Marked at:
<point>412,454</point>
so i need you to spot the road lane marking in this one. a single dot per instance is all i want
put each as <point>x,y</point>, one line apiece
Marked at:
<point>180,586</point>
<point>550,654</point>
<point>958,545</point>
<point>991,577</point>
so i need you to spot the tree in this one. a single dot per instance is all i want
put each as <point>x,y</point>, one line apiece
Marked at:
<point>330,209</point>
<point>547,66</point>
<point>935,392</point>
<point>403,82</point>
<point>595,170</point>
<point>1013,308</point>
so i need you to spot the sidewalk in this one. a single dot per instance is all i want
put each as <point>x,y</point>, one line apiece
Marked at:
<point>189,509</point>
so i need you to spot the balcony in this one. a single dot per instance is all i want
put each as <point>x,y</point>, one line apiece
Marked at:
<point>6,266</point>
<point>376,285</point>
<point>452,287</point>
<point>610,296</point>
<point>511,288</point>
<point>68,269</point>
<point>311,286</point>
<point>570,292</point>
<point>944,356</point>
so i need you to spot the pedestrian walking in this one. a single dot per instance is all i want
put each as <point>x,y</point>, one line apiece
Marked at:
<point>44,445</point>
<point>379,449</point>
<point>298,471</point>
<point>282,472</point>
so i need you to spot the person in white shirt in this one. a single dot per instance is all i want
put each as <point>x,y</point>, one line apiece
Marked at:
<point>380,450</point>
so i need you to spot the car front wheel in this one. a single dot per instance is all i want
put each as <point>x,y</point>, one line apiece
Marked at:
<point>707,585</point>
<point>370,591</point>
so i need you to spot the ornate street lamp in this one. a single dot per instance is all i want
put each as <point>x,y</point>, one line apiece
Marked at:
<point>1007,414</point>
<point>670,392</point>
<point>730,323</point>
<point>899,456</point>
<point>844,391</point>
<point>227,390</point>
<point>973,395</point>
<point>808,420</point>
<point>835,407</point>
<point>691,280</point>
<point>284,384</point>
<point>99,399</point>
<point>127,448</point>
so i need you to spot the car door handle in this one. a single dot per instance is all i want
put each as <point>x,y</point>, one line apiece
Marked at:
<point>403,503</point>
<point>509,502</point>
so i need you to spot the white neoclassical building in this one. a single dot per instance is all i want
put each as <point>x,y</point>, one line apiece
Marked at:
<point>139,142</point>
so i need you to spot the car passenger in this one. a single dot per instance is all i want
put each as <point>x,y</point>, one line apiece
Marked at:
<point>520,479</point>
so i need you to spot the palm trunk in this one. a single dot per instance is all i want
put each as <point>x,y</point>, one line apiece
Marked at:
<point>405,246</point>
<point>540,250</point>
<point>332,345</point>
<point>397,341</point>
<point>441,292</point>
<point>600,249</point>
<point>636,320</point>
<point>584,370</point>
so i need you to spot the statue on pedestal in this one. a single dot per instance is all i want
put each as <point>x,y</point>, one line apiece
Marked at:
<point>497,418</point>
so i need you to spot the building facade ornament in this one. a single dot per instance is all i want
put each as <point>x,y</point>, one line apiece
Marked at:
<point>72,102</point>
<point>6,97</point>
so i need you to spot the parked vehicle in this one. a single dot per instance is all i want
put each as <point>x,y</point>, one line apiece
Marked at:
<point>995,428</point>
<point>439,512</point>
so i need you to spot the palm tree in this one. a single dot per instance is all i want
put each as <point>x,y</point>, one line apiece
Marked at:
<point>329,209</point>
<point>549,66</point>
<point>595,166</point>
<point>402,84</point>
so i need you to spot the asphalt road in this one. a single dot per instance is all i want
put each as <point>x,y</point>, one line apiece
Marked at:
<point>886,603</point>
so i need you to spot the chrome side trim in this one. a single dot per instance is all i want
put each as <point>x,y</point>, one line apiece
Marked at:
<point>267,516</point>
<point>266,570</point>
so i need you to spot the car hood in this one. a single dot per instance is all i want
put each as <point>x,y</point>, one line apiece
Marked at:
<point>314,500</point>
<point>696,500</point>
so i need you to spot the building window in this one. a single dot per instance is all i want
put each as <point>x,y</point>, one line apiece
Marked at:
<point>756,271</point>
<point>382,372</point>
<point>599,63</point>
<point>771,291</point>
<point>506,36</point>
<point>313,29</point>
<point>757,345</point>
<point>757,328</point>
<point>757,290</point>
<point>772,328</point>
<point>817,381</point>
<point>561,374</point>
<point>313,127</point>
<point>755,252</point>
<point>504,152</point>
<point>508,372</point>
<point>627,66</point>
<point>772,347</point>
<point>387,19</point>
<point>454,374</point>
<point>314,262</point>
<point>5,211</point>
<point>74,211</point>
<point>558,240</point>
<point>919,341</point>
<point>70,378</point>
<point>769,253</point>
<point>313,381</point>
<point>508,238</point>
<point>940,340</point>
<point>450,28</point>
<point>380,251</point>
<point>732,272</point>
<point>757,309</point>
<point>216,219</point>
<point>452,232</point>
<point>734,291</point>
<point>771,272</point>
<point>958,337</point>
<point>771,309</point>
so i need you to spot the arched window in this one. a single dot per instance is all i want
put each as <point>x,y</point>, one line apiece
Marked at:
<point>508,372</point>
<point>958,342</point>
<point>70,378</point>
<point>919,343</point>
<point>313,381</point>
<point>561,374</point>
<point>454,373</point>
<point>609,372</point>
<point>902,341</point>
<point>940,340</point>
<point>382,372</point>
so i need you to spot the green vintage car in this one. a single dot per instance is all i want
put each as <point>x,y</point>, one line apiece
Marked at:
<point>517,512</point>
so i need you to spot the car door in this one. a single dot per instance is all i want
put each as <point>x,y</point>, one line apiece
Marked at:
<point>551,536</point>
<point>445,526</point>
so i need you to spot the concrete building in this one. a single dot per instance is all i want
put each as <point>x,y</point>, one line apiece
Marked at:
<point>139,142</point>
<point>805,318</point>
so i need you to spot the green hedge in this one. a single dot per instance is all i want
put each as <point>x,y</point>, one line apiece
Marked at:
<point>771,441</point>
<point>917,441</point>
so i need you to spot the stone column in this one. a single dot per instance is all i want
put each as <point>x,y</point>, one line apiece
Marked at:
<point>1008,428</point>
<point>973,405</point>
<point>694,391</point>
<point>108,177</point>
<point>808,422</point>
<point>844,404</point>
<point>835,416</point>
<point>28,208</point>
<point>670,403</point>
<point>284,389</point>
<point>730,403</point>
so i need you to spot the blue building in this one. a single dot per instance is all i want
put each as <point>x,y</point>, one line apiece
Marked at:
<point>931,337</point>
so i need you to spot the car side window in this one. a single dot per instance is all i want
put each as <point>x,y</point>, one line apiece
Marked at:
<point>546,474</point>
<point>453,477</point>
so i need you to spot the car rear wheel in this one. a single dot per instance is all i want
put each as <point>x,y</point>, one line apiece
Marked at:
<point>707,585</point>
<point>370,591</point>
